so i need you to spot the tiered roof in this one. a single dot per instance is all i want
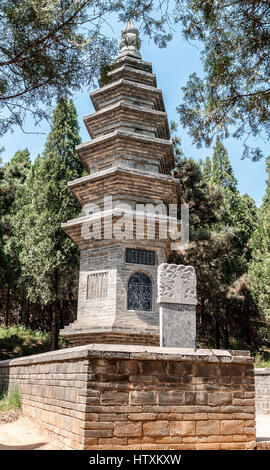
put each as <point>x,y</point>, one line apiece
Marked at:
<point>130,137</point>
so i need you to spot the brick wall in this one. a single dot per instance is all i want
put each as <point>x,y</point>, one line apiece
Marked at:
<point>262,387</point>
<point>139,397</point>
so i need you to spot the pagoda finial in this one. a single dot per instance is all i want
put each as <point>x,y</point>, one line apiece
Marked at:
<point>130,42</point>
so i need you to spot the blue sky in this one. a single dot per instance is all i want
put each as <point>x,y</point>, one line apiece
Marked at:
<point>172,67</point>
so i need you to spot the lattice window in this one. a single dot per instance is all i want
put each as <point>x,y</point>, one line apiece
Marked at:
<point>140,292</point>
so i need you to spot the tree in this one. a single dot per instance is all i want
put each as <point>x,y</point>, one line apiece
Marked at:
<point>221,169</point>
<point>47,50</point>
<point>238,215</point>
<point>49,259</point>
<point>221,223</point>
<point>259,266</point>
<point>54,47</point>
<point>14,175</point>
<point>206,246</point>
<point>235,92</point>
<point>206,167</point>
<point>51,48</point>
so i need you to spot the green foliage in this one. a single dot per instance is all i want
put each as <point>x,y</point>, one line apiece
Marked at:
<point>52,48</point>
<point>47,49</point>
<point>40,261</point>
<point>207,168</point>
<point>234,93</point>
<point>221,224</point>
<point>11,400</point>
<point>259,266</point>
<point>221,169</point>
<point>48,258</point>
<point>178,153</point>
<point>17,341</point>
<point>262,359</point>
<point>14,174</point>
<point>203,202</point>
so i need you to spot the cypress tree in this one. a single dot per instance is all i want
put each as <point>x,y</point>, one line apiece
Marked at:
<point>221,171</point>
<point>207,169</point>
<point>49,258</point>
<point>259,266</point>
<point>221,223</point>
<point>14,175</point>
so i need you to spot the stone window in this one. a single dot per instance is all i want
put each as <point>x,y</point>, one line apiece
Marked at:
<point>139,292</point>
<point>97,285</point>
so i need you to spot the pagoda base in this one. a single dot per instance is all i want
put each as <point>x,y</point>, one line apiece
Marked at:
<point>83,335</point>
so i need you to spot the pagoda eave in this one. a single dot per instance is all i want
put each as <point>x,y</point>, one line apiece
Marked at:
<point>116,181</point>
<point>120,141</point>
<point>103,233</point>
<point>134,62</point>
<point>120,88</point>
<point>134,114</point>
<point>131,73</point>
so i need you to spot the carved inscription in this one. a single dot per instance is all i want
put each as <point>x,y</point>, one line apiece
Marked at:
<point>177,284</point>
<point>97,285</point>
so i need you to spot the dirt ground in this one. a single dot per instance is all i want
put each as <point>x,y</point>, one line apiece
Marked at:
<point>17,432</point>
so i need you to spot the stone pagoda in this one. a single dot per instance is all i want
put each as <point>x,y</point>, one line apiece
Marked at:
<point>129,159</point>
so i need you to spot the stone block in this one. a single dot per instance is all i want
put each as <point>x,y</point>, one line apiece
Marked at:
<point>113,397</point>
<point>182,428</point>
<point>170,397</point>
<point>142,416</point>
<point>141,397</point>
<point>127,429</point>
<point>157,428</point>
<point>220,398</point>
<point>177,325</point>
<point>232,427</point>
<point>207,428</point>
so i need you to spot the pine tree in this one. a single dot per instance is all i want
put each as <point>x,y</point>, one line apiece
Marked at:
<point>49,258</point>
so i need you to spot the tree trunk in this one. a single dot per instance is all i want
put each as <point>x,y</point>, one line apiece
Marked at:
<point>202,317</point>
<point>21,309</point>
<point>54,329</point>
<point>27,317</point>
<point>63,308</point>
<point>217,332</point>
<point>55,309</point>
<point>226,332</point>
<point>7,307</point>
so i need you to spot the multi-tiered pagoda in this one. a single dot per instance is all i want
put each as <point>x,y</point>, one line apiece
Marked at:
<point>129,160</point>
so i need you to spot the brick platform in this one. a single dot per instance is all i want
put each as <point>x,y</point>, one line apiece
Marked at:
<point>139,397</point>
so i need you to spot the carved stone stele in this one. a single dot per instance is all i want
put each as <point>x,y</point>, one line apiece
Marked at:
<point>177,284</point>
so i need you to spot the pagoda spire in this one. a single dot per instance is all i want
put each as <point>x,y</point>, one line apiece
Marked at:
<point>130,42</point>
